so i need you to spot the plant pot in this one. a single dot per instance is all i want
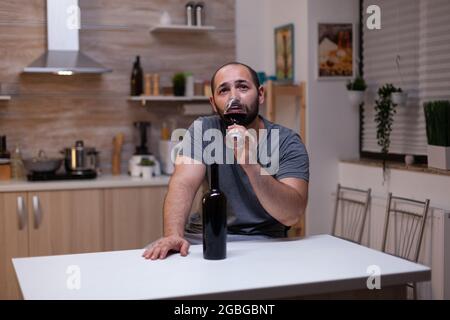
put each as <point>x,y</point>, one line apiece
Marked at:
<point>178,91</point>
<point>399,98</point>
<point>409,159</point>
<point>355,97</point>
<point>439,157</point>
<point>147,172</point>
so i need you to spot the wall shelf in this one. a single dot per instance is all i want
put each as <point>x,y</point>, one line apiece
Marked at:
<point>5,98</point>
<point>181,28</point>
<point>144,99</point>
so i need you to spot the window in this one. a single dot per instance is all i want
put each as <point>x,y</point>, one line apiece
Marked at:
<point>418,32</point>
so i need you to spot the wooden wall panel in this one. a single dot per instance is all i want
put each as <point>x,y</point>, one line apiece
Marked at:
<point>50,112</point>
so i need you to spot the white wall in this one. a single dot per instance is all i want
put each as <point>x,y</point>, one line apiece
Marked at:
<point>255,24</point>
<point>332,122</point>
<point>251,37</point>
<point>332,125</point>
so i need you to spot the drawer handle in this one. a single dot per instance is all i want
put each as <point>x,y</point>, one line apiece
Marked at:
<point>37,212</point>
<point>21,212</point>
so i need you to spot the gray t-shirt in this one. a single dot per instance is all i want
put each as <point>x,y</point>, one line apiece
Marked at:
<point>280,151</point>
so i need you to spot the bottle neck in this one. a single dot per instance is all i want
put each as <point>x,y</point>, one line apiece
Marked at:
<point>214,176</point>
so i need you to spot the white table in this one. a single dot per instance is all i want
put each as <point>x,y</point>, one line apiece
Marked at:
<point>258,269</point>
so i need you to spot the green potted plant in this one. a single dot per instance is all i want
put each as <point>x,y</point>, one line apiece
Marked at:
<point>384,118</point>
<point>356,90</point>
<point>437,117</point>
<point>179,84</point>
<point>399,97</point>
<point>147,168</point>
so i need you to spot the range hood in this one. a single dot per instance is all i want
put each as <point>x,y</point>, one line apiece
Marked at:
<point>63,56</point>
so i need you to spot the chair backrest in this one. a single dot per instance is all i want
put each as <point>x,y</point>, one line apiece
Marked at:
<point>404,227</point>
<point>350,213</point>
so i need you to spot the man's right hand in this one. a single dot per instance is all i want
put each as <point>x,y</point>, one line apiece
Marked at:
<point>161,247</point>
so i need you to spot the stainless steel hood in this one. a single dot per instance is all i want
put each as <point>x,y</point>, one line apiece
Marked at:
<point>63,56</point>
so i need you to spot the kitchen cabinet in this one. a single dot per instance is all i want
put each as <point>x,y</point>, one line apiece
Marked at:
<point>13,241</point>
<point>47,223</point>
<point>56,222</point>
<point>62,222</point>
<point>134,216</point>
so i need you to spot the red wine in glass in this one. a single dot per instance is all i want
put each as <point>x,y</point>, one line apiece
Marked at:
<point>235,118</point>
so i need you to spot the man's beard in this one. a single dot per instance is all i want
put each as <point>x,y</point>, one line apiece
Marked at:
<point>250,114</point>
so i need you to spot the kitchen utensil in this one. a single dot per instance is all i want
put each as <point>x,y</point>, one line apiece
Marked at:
<point>42,163</point>
<point>117,149</point>
<point>142,148</point>
<point>18,171</point>
<point>80,158</point>
<point>4,153</point>
<point>45,176</point>
<point>5,171</point>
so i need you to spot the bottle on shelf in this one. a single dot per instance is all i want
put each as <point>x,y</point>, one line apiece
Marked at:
<point>156,91</point>
<point>148,84</point>
<point>199,14</point>
<point>137,78</point>
<point>214,215</point>
<point>190,15</point>
<point>18,171</point>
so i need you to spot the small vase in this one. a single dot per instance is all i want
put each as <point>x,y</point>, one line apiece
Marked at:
<point>409,159</point>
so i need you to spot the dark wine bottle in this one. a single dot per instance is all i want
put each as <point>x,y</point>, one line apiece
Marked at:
<point>137,78</point>
<point>214,205</point>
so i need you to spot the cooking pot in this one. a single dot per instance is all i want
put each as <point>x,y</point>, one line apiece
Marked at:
<point>80,158</point>
<point>42,163</point>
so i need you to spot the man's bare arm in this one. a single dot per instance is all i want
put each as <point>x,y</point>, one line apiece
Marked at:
<point>183,186</point>
<point>285,200</point>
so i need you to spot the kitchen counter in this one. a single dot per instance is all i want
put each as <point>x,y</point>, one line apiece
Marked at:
<point>104,181</point>
<point>314,265</point>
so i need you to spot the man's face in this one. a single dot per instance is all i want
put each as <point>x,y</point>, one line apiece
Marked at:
<point>234,87</point>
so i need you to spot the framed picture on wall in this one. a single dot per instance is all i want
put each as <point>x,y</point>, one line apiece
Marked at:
<point>284,53</point>
<point>335,51</point>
